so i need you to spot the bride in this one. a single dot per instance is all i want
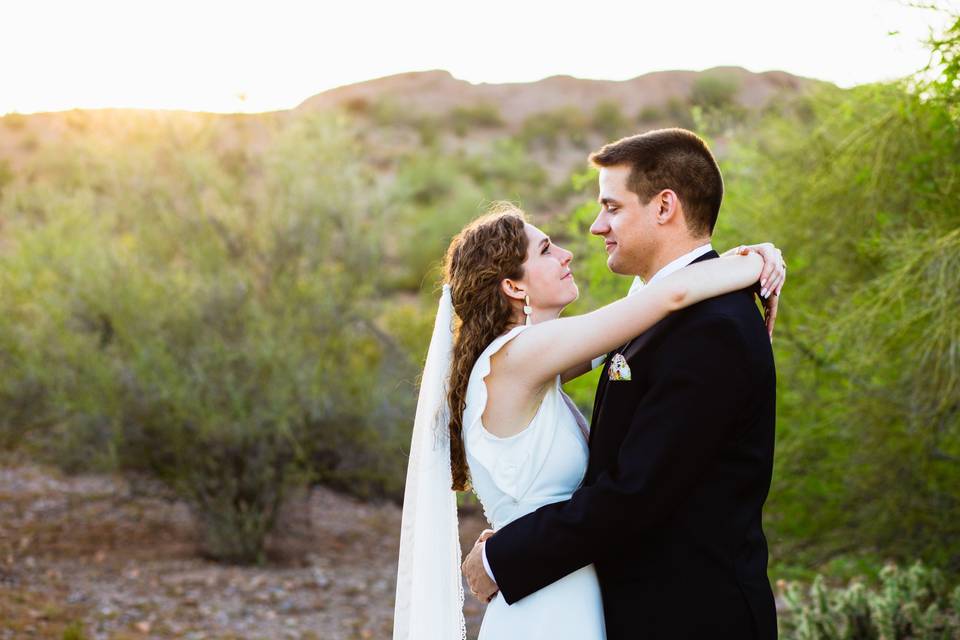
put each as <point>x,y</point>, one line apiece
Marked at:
<point>491,414</point>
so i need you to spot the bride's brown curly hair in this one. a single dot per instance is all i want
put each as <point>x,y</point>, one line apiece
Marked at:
<point>486,251</point>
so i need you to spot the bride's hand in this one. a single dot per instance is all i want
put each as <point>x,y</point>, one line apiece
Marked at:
<point>772,277</point>
<point>774,271</point>
<point>770,312</point>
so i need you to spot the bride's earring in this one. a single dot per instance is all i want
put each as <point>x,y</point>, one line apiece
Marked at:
<point>527,309</point>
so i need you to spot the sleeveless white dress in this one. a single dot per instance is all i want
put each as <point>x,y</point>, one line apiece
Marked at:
<point>513,476</point>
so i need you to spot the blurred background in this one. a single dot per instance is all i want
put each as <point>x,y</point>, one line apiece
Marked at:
<point>219,252</point>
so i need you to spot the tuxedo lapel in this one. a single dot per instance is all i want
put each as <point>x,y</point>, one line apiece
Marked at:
<point>628,351</point>
<point>600,393</point>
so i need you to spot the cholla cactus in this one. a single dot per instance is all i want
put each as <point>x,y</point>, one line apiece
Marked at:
<point>853,605</point>
<point>815,619</point>
<point>910,604</point>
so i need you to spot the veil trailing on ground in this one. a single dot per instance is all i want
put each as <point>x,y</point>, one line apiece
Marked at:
<point>429,604</point>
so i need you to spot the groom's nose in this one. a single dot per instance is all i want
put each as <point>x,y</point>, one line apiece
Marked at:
<point>600,226</point>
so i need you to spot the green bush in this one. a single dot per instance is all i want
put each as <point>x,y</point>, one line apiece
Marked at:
<point>476,116</point>
<point>678,114</point>
<point>650,114</point>
<point>714,105</point>
<point>608,120</point>
<point>864,202</point>
<point>386,112</point>
<point>433,197</point>
<point>166,318</point>
<point>14,121</point>
<point>714,90</point>
<point>6,174</point>
<point>548,129</point>
<point>74,631</point>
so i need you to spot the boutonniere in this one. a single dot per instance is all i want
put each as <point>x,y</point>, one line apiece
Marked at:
<point>619,369</point>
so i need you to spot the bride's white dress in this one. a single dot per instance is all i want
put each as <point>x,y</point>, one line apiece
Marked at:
<point>513,476</point>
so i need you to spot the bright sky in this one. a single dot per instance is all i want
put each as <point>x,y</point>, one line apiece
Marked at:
<point>247,55</point>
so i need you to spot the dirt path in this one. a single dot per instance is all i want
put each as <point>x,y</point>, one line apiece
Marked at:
<point>119,561</point>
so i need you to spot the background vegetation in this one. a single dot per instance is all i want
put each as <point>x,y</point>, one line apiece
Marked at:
<point>239,305</point>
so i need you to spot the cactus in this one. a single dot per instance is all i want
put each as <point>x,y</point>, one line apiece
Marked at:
<point>908,604</point>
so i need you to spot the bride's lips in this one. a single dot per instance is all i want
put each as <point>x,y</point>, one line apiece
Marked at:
<point>568,275</point>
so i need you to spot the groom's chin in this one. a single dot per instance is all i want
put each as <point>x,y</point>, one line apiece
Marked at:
<point>615,266</point>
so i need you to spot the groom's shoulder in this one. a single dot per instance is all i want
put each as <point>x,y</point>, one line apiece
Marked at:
<point>733,319</point>
<point>737,306</point>
<point>734,314</point>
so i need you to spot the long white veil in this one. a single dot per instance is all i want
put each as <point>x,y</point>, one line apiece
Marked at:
<point>429,604</point>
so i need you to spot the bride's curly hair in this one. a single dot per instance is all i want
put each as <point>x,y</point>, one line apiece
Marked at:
<point>486,251</point>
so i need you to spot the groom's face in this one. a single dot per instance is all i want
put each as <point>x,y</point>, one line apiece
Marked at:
<point>627,226</point>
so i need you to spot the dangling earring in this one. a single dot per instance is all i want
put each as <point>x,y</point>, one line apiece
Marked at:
<point>527,309</point>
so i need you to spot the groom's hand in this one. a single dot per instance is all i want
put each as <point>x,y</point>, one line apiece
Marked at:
<point>482,587</point>
<point>483,536</point>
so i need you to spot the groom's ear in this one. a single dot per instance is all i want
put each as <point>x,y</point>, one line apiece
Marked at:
<point>668,206</point>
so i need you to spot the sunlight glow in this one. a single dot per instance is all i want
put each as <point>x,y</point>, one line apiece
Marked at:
<point>258,56</point>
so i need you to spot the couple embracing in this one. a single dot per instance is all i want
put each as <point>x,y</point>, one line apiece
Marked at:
<point>644,523</point>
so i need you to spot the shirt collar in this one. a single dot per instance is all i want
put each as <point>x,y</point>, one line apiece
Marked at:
<point>675,265</point>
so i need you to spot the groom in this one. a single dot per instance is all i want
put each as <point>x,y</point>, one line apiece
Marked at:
<point>681,453</point>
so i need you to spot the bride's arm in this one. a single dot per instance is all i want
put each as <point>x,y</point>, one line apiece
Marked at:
<point>773,271</point>
<point>550,348</point>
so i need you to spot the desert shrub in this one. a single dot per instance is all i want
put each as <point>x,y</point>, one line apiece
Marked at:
<point>548,129</point>
<point>505,171</point>
<point>908,604</point>
<point>650,114</point>
<point>864,202</point>
<point>431,199</point>
<point>357,105</point>
<point>386,112</point>
<point>714,105</point>
<point>6,173</point>
<point>714,90</point>
<point>166,318</point>
<point>608,120</point>
<point>14,121</point>
<point>678,114</point>
<point>475,116</point>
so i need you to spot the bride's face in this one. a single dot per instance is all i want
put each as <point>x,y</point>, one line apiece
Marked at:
<point>547,277</point>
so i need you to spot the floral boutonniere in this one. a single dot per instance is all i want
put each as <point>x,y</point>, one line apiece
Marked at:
<point>619,369</point>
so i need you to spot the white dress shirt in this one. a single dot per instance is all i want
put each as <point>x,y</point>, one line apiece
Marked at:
<point>670,267</point>
<point>638,284</point>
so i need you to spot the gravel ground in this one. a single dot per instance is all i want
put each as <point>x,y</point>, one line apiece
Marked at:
<point>118,559</point>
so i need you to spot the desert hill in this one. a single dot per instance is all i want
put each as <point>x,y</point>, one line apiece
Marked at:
<point>437,92</point>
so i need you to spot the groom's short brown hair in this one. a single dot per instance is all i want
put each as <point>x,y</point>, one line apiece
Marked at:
<point>674,159</point>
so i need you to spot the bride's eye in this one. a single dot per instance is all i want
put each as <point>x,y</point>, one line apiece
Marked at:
<point>546,249</point>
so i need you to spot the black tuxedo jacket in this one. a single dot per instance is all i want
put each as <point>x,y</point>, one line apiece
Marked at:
<point>670,509</point>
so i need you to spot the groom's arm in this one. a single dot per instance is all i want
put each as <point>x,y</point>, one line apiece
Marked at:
<point>700,389</point>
